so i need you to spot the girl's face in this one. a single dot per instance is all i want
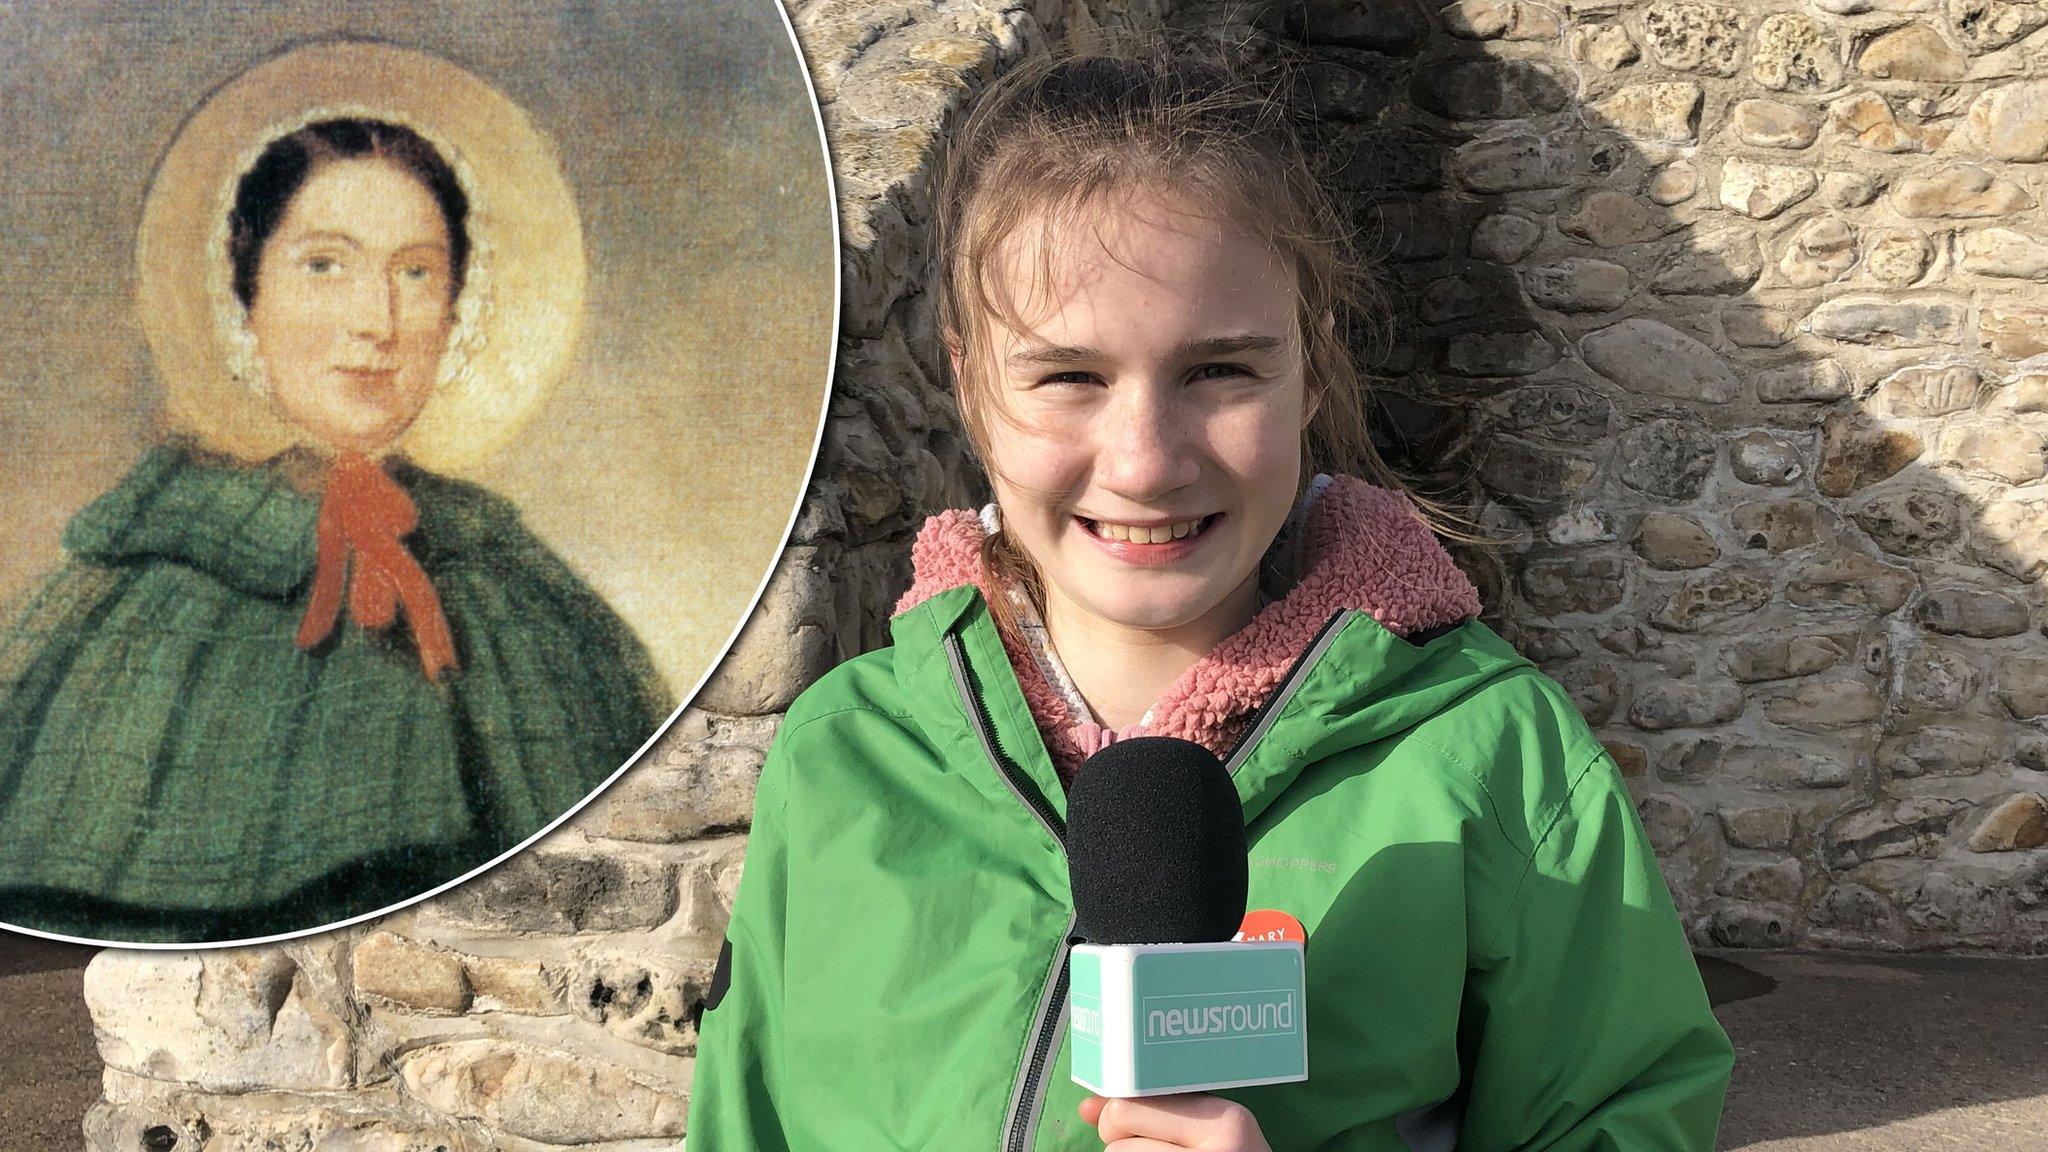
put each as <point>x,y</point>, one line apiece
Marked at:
<point>354,303</point>
<point>1146,439</point>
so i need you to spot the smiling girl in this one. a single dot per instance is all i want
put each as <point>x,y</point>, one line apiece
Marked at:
<point>1144,294</point>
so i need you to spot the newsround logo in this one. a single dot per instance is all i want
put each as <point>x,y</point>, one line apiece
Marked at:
<point>1087,1018</point>
<point>1219,1016</point>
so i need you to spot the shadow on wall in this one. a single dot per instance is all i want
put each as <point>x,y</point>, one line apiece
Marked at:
<point>1731,319</point>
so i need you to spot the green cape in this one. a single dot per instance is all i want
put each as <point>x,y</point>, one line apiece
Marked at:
<point>174,768</point>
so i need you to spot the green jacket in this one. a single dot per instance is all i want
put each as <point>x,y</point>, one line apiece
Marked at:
<point>1493,958</point>
<point>174,768</point>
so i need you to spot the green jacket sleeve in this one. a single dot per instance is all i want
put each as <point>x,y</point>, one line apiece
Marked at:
<point>735,1089</point>
<point>1593,1031</point>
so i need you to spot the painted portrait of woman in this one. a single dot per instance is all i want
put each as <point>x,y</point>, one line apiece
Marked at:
<point>290,668</point>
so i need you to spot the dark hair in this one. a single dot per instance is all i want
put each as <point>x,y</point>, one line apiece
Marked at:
<point>266,190</point>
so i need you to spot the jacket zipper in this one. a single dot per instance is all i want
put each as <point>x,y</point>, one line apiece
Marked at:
<point>1270,710</point>
<point>1020,1121</point>
<point>971,697</point>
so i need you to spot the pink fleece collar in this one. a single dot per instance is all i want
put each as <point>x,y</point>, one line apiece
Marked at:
<point>1363,548</point>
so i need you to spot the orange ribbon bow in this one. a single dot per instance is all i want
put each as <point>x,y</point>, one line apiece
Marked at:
<point>363,516</point>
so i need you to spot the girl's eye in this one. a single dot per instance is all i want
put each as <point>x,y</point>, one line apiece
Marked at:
<point>417,272</point>
<point>1072,378</point>
<point>1220,372</point>
<point>322,264</point>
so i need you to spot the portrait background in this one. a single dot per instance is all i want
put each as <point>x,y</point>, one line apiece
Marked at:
<point>666,462</point>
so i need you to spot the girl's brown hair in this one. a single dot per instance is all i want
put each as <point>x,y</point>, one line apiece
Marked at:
<point>1064,135</point>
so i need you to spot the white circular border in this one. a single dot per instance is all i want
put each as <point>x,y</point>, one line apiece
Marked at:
<point>796,509</point>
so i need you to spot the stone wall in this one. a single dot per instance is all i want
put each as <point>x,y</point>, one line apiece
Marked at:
<point>1721,317</point>
<point>1729,320</point>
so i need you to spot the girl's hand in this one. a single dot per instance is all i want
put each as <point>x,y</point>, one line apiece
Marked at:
<point>1163,1123</point>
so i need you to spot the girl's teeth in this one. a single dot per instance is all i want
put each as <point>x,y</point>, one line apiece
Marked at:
<point>1140,535</point>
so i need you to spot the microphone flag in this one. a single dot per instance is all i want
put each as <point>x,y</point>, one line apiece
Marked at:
<point>1161,998</point>
<point>1149,1019</point>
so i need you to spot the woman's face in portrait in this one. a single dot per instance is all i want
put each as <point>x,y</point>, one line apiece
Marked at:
<point>354,303</point>
<point>1146,445</point>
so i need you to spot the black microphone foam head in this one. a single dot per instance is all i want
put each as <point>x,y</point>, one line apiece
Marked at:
<point>1155,845</point>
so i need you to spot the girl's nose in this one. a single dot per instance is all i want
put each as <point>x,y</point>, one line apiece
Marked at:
<point>1146,450</point>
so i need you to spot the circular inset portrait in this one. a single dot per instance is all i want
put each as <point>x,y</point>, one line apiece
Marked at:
<point>403,438</point>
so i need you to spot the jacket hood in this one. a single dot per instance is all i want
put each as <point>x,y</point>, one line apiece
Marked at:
<point>1362,549</point>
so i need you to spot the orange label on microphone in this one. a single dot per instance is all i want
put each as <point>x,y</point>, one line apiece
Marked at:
<point>1270,924</point>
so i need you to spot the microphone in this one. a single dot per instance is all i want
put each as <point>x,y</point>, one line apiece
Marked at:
<point>1162,998</point>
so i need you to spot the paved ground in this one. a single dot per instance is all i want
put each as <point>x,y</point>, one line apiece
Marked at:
<point>1833,1053</point>
<point>49,1072</point>
<point>1900,1054</point>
